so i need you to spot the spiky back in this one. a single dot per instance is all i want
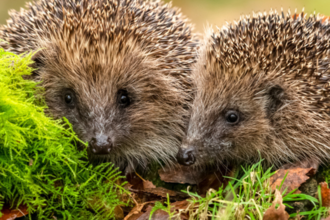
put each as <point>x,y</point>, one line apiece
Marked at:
<point>295,47</point>
<point>162,30</point>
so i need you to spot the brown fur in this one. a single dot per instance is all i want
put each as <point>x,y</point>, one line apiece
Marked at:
<point>273,71</point>
<point>96,48</point>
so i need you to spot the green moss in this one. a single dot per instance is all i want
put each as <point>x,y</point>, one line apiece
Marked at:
<point>39,165</point>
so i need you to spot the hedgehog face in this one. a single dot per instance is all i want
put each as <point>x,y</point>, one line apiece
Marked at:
<point>120,102</point>
<point>230,120</point>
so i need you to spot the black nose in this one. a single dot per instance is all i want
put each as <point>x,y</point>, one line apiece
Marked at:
<point>186,156</point>
<point>100,147</point>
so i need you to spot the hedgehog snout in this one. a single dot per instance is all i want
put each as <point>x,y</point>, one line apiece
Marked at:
<point>100,146</point>
<point>186,156</point>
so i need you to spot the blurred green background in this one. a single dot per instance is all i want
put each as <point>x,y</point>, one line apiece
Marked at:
<point>214,12</point>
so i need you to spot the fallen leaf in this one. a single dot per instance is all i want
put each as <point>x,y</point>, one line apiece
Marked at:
<point>162,192</point>
<point>276,214</point>
<point>136,185</point>
<point>180,205</point>
<point>118,212</point>
<point>157,215</point>
<point>11,214</point>
<point>142,195</point>
<point>295,177</point>
<point>182,174</point>
<point>215,180</point>
<point>160,214</point>
<point>187,175</point>
<point>145,215</point>
<point>135,216</point>
<point>137,182</point>
<point>203,178</point>
<point>325,194</point>
<point>148,185</point>
<point>134,181</point>
<point>181,208</point>
<point>137,211</point>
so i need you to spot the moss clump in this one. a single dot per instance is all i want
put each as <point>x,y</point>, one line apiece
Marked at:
<point>39,165</point>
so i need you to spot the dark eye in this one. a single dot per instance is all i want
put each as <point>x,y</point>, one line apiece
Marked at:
<point>123,98</point>
<point>69,98</point>
<point>232,117</point>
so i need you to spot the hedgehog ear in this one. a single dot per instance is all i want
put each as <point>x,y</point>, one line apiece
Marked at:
<point>275,99</point>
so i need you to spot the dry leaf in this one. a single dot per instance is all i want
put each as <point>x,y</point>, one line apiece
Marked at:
<point>148,185</point>
<point>162,192</point>
<point>118,212</point>
<point>215,180</point>
<point>157,215</point>
<point>179,205</point>
<point>145,215</point>
<point>134,216</point>
<point>182,174</point>
<point>187,175</point>
<point>276,214</point>
<point>325,193</point>
<point>295,177</point>
<point>205,179</point>
<point>137,211</point>
<point>134,181</point>
<point>11,214</point>
<point>137,182</point>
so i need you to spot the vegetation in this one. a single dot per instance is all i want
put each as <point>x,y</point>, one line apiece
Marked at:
<point>247,197</point>
<point>40,166</point>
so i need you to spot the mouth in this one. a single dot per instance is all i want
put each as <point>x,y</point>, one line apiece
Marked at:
<point>102,151</point>
<point>97,159</point>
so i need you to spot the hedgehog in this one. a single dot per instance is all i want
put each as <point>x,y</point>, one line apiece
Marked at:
<point>262,92</point>
<point>117,70</point>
